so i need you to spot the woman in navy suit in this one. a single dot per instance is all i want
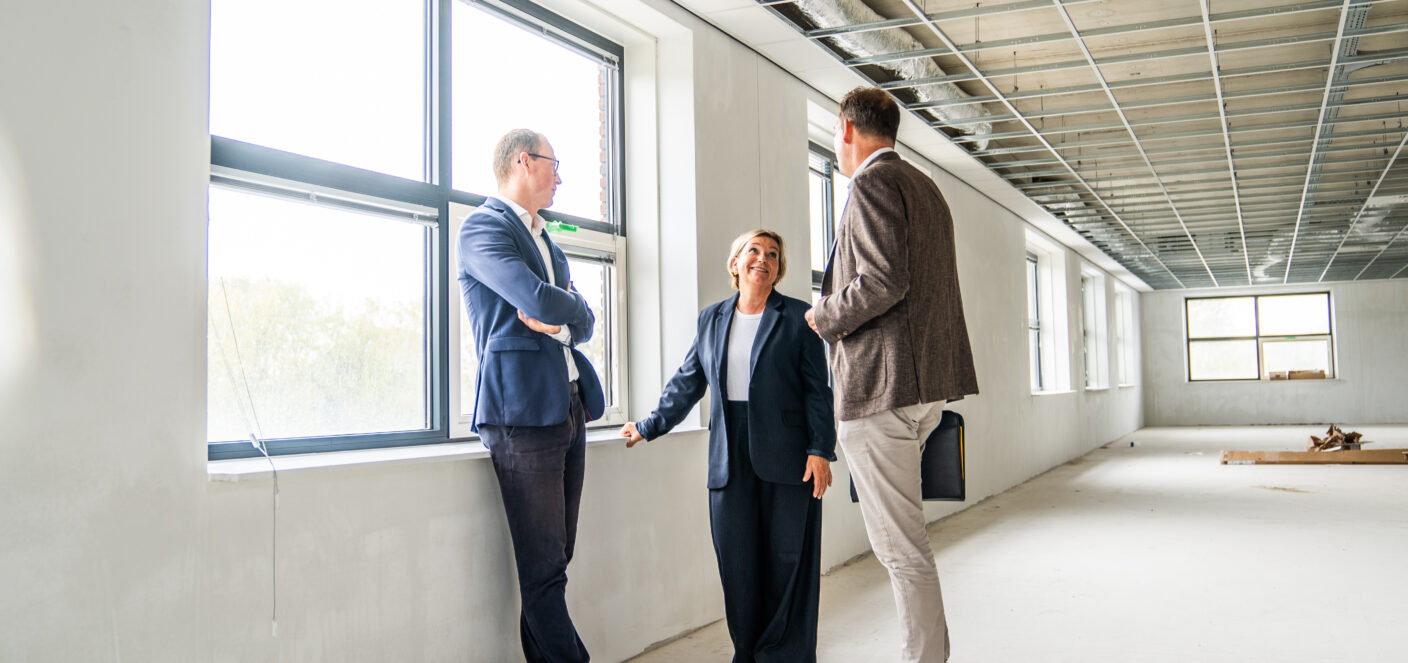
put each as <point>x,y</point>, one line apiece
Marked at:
<point>771,440</point>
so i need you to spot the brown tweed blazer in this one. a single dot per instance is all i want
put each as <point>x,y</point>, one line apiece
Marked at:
<point>892,309</point>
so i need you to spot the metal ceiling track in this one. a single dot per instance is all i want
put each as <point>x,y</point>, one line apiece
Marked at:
<point>1003,99</point>
<point>1283,168</point>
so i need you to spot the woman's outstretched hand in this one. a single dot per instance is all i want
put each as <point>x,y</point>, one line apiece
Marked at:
<point>631,434</point>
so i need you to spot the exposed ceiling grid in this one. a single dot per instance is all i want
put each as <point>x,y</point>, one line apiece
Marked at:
<point>1215,71</point>
<point>1196,142</point>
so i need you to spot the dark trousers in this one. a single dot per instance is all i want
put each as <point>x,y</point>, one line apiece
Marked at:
<point>768,540</point>
<point>540,472</point>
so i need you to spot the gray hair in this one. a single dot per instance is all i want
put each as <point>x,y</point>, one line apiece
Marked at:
<point>508,148</point>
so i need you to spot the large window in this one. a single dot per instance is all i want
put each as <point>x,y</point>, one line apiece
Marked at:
<point>1253,337</point>
<point>1034,322</point>
<point>348,142</point>
<point>1048,342</point>
<point>1094,329</point>
<point>1125,357</point>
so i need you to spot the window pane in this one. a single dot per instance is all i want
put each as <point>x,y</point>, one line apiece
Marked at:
<point>337,80</point>
<point>818,220</point>
<point>543,86</point>
<point>469,361</point>
<point>1299,355</point>
<point>1221,317</point>
<point>1033,308</point>
<point>1034,357</point>
<point>1222,360</point>
<point>316,315</point>
<point>1087,328</point>
<point>1289,315</point>
<point>591,278</point>
<point>840,193</point>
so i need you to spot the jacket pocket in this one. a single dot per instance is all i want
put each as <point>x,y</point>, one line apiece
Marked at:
<point>510,343</point>
<point>865,373</point>
<point>515,383</point>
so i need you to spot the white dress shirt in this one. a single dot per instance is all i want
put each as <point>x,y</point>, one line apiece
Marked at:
<point>535,225</point>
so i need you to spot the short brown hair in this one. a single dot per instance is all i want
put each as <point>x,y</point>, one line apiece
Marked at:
<point>513,142</point>
<point>872,111</point>
<point>742,241</point>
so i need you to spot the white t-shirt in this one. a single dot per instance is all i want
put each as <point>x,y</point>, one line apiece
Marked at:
<point>741,335</point>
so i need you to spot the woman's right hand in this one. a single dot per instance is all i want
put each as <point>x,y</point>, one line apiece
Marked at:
<point>631,434</point>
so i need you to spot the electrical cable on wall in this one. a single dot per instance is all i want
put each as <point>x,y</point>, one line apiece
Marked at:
<point>256,435</point>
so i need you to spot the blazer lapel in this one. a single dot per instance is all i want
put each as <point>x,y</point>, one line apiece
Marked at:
<point>525,238</point>
<point>771,313</point>
<point>722,322</point>
<point>559,261</point>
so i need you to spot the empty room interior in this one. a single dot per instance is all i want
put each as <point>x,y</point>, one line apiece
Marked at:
<point>1180,231</point>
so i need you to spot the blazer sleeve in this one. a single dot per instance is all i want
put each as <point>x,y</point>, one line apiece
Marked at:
<point>577,331</point>
<point>681,393</point>
<point>821,421</point>
<point>490,256</point>
<point>878,240</point>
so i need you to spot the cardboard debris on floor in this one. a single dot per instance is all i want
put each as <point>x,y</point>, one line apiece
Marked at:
<point>1336,440</point>
<point>1336,448</point>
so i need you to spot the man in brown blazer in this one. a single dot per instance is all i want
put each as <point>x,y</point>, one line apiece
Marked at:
<point>892,312</point>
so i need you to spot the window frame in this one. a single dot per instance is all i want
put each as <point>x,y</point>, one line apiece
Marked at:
<point>257,165</point>
<point>1052,294</point>
<point>1095,329</point>
<point>1258,338</point>
<point>1036,369</point>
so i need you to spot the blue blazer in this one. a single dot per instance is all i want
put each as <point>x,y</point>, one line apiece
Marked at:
<point>789,402</point>
<point>522,376</point>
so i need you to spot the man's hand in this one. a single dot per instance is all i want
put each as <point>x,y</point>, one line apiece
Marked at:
<point>536,326</point>
<point>811,317</point>
<point>819,469</point>
<point>631,434</point>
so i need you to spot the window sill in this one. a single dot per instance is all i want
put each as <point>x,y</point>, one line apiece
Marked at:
<point>1053,392</point>
<point>1128,386</point>
<point>245,469</point>
<point>1097,388</point>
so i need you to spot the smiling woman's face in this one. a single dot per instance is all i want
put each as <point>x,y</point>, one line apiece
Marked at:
<point>758,262</point>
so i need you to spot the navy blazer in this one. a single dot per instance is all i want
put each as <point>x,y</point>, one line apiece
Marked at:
<point>789,401</point>
<point>522,375</point>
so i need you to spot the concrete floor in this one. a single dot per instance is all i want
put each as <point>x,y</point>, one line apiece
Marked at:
<point>1154,552</point>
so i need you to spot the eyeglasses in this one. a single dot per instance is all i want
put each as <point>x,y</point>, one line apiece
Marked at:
<point>555,162</point>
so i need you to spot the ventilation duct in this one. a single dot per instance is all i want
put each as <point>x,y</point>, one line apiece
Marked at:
<point>839,13</point>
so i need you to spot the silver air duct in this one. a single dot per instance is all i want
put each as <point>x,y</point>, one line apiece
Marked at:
<point>838,13</point>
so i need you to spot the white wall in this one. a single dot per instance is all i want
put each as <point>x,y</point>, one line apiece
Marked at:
<point>117,547</point>
<point>104,548</point>
<point>1371,347</point>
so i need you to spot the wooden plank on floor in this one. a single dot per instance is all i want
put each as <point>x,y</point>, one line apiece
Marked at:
<point>1361,457</point>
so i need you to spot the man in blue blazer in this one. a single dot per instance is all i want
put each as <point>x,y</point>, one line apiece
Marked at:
<point>535,392</point>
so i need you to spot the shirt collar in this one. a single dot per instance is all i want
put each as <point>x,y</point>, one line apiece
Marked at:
<point>532,222</point>
<point>869,159</point>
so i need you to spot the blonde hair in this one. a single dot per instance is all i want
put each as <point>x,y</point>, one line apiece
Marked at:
<point>743,240</point>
